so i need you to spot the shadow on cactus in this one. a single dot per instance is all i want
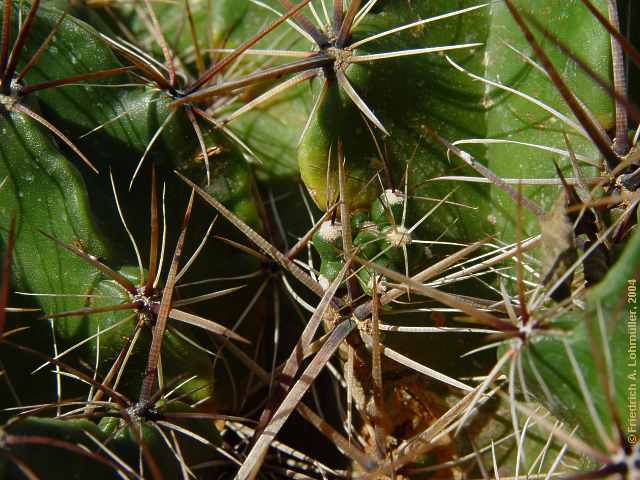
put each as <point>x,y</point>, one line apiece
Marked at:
<point>145,301</point>
<point>470,323</point>
<point>14,92</point>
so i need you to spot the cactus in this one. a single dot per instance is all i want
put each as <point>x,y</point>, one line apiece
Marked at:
<point>411,223</point>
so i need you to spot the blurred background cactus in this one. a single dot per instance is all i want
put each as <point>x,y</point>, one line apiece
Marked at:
<point>318,239</point>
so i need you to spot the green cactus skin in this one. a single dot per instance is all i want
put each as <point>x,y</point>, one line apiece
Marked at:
<point>513,118</point>
<point>388,208</point>
<point>59,205</point>
<point>612,299</point>
<point>49,193</point>
<point>318,153</point>
<point>379,236</point>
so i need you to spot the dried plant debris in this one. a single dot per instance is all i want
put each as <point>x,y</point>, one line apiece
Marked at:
<point>319,239</point>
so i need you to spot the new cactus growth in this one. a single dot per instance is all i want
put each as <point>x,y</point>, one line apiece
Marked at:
<point>319,239</point>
